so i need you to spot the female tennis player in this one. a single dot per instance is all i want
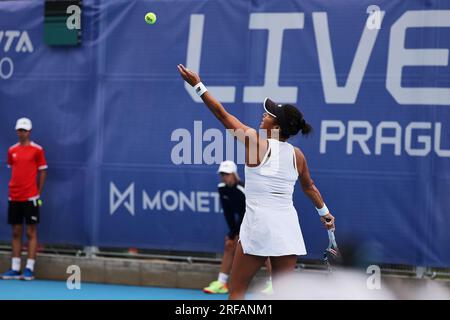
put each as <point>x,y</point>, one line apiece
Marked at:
<point>270,227</point>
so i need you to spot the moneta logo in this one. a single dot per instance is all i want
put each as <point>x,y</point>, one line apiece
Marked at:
<point>116,198</point>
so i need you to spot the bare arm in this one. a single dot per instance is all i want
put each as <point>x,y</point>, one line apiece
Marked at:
<point>310,189</point>
<point>242,132</point>
<point>229,121</point>
<point>41,181</point>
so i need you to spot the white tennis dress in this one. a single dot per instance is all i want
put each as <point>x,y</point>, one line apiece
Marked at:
<point>270,226</point>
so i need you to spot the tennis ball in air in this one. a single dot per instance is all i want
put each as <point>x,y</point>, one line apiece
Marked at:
<point>150,18</point>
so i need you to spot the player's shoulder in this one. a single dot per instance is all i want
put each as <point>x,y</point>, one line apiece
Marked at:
<point>14,146</point>
<point>296,149</point>
<point>35,145</point>
<point>298,153</point>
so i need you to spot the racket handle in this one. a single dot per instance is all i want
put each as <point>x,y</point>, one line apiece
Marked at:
<point>332,238</point>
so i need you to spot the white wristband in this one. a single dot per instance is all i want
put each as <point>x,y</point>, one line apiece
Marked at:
<point>323,211</point>
<point>200,89</point>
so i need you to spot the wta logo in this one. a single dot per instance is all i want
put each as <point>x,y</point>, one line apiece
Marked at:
<point>129,201</point>
<point>13,41</point>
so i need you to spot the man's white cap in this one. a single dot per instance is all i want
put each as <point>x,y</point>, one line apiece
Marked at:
<point>227,166</point>
<point>24,123</point>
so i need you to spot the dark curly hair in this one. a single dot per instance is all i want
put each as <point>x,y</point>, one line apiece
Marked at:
<point>293,123</point>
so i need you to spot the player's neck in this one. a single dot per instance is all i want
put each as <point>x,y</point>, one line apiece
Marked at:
<point>275,136</point>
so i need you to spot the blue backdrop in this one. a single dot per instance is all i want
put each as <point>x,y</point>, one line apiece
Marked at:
<point>133,156</point>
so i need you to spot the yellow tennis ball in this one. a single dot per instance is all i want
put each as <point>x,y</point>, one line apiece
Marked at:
<point>150,18</point>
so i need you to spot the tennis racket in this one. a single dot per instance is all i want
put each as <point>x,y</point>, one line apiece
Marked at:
<point>331,255</point>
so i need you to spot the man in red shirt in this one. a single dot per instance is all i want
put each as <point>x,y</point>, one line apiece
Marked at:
<point>26,159</point>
